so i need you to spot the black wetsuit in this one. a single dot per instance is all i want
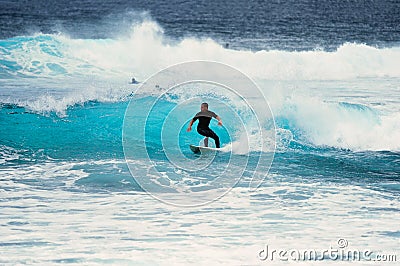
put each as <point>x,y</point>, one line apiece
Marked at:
<point>203,126</point>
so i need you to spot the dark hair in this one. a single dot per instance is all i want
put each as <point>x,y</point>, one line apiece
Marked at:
<point>205,104</point>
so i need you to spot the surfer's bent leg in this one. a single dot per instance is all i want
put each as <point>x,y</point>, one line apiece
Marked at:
<point>209,133</point>
<point>216,139</point>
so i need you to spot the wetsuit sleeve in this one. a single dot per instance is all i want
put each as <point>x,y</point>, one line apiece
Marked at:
<point>214,114</point>
<point>196,117</point>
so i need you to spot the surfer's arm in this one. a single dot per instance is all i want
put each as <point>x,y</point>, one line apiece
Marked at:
<point>190,125</point>
<point>219,120</point>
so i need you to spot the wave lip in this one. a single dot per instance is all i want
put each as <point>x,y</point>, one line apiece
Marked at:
<point>339,125</point>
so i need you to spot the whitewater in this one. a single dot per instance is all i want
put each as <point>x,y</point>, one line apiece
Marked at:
<point>363,80</point>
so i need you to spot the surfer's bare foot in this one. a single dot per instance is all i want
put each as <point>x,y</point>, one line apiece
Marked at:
<point>206,142</point>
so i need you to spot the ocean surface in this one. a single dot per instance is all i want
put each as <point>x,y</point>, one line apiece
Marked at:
<point>327,165</point>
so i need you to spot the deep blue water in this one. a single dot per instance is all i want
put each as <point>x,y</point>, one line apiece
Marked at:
<point>277,24</point>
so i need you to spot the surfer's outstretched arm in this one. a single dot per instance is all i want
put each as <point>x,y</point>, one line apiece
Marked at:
<point>190,126</point>
<point>219,120</point>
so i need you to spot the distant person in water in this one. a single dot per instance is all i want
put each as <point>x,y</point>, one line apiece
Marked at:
<point>134,81</point>
<point>204,117</point>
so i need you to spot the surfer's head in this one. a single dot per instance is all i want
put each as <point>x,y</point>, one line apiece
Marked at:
<point>204,107</point>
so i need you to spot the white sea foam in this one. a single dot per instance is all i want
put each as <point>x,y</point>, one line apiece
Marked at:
<point>147,50</point>
<point>285,214</point>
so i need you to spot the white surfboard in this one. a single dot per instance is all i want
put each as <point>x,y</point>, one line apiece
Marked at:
<point>202,149</point>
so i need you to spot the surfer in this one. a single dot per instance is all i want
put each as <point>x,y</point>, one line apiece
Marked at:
<point>134,81</point>
<point>204,117</point>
